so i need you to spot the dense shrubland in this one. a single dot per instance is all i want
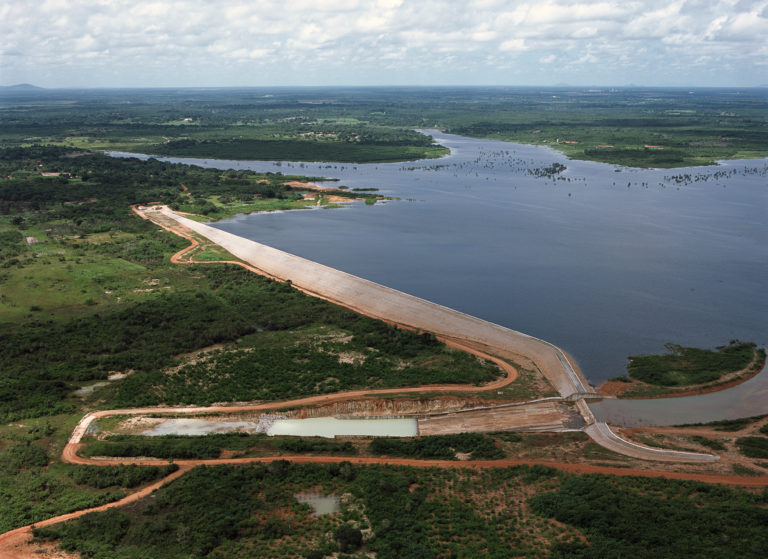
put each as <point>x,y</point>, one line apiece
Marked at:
<point>443,447</point>
<point>688,365</point>
<point>227,511</point>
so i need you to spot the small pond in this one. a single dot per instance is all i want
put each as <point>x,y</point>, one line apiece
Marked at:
<point>321,504</point>
<point>199,427</point>
<point>331,427</point>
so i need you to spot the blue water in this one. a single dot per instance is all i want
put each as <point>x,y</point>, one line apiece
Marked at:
<point>603,261</point>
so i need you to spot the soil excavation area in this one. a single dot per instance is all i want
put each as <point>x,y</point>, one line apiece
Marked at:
<point>550,415</point>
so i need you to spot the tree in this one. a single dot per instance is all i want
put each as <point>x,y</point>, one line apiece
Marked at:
<point>349,538</point>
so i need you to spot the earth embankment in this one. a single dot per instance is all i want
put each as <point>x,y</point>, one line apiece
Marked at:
<point>395,306</point>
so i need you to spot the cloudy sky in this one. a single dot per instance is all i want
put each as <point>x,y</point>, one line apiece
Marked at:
<point>137,43</point>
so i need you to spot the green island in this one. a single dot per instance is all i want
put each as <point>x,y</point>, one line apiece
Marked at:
<point>95,316</point>
<point>687,369</point>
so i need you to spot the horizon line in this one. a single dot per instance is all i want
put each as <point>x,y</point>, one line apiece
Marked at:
<point>30,86</point>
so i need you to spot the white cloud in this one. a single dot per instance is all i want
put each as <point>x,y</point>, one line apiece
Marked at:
<point>346,39</point>
<point>513,45</point>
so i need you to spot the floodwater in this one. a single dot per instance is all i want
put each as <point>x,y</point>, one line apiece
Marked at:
<point>601,260</point>
<point>330,427</point>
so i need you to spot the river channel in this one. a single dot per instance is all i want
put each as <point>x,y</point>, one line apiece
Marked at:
<point>601,260</point>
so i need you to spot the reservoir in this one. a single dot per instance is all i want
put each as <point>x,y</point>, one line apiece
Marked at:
<point>603,261</point>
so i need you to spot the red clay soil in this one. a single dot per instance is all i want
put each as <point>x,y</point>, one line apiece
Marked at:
<point>613,388</point>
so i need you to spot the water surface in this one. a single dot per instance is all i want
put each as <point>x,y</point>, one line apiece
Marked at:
<point>601,260</point>
<point>331,427</point>
<point>321,504</point>
<point>184,426</point>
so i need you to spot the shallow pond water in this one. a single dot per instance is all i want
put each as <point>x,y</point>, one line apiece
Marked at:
<point>321,504</point>
<point>330,427</point>
<point>190,426</point>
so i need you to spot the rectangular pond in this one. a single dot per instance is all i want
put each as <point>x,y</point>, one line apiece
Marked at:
<point>190,426</point>
<point>331,427</point>
<point>321,504</point>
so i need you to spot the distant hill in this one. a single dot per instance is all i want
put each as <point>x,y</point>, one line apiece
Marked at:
<point>21,87</point>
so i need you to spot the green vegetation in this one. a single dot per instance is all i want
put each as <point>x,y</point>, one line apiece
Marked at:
<point>753,447</point>
<point>685,366</point>
<point>304,445</point>
<point>96,295</point>
<point>740,470</point>
<point>170,446</point>
<point>709,443</point>
<point>728,424</point>
<point>625,517</point>
<point>632,127</point>
<point>251,511</point>
<point>443,447</point>
<point>229,126</point>
<point>274,372</point>
<point>102,477</point>
<point>86,290</point>
<point>636,127</point>
<point>31,490</point>
<point>413,146</point>
<point>93,293</point>
<point>210,446</point>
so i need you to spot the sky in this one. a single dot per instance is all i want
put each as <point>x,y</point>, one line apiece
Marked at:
<point>212,43</point>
